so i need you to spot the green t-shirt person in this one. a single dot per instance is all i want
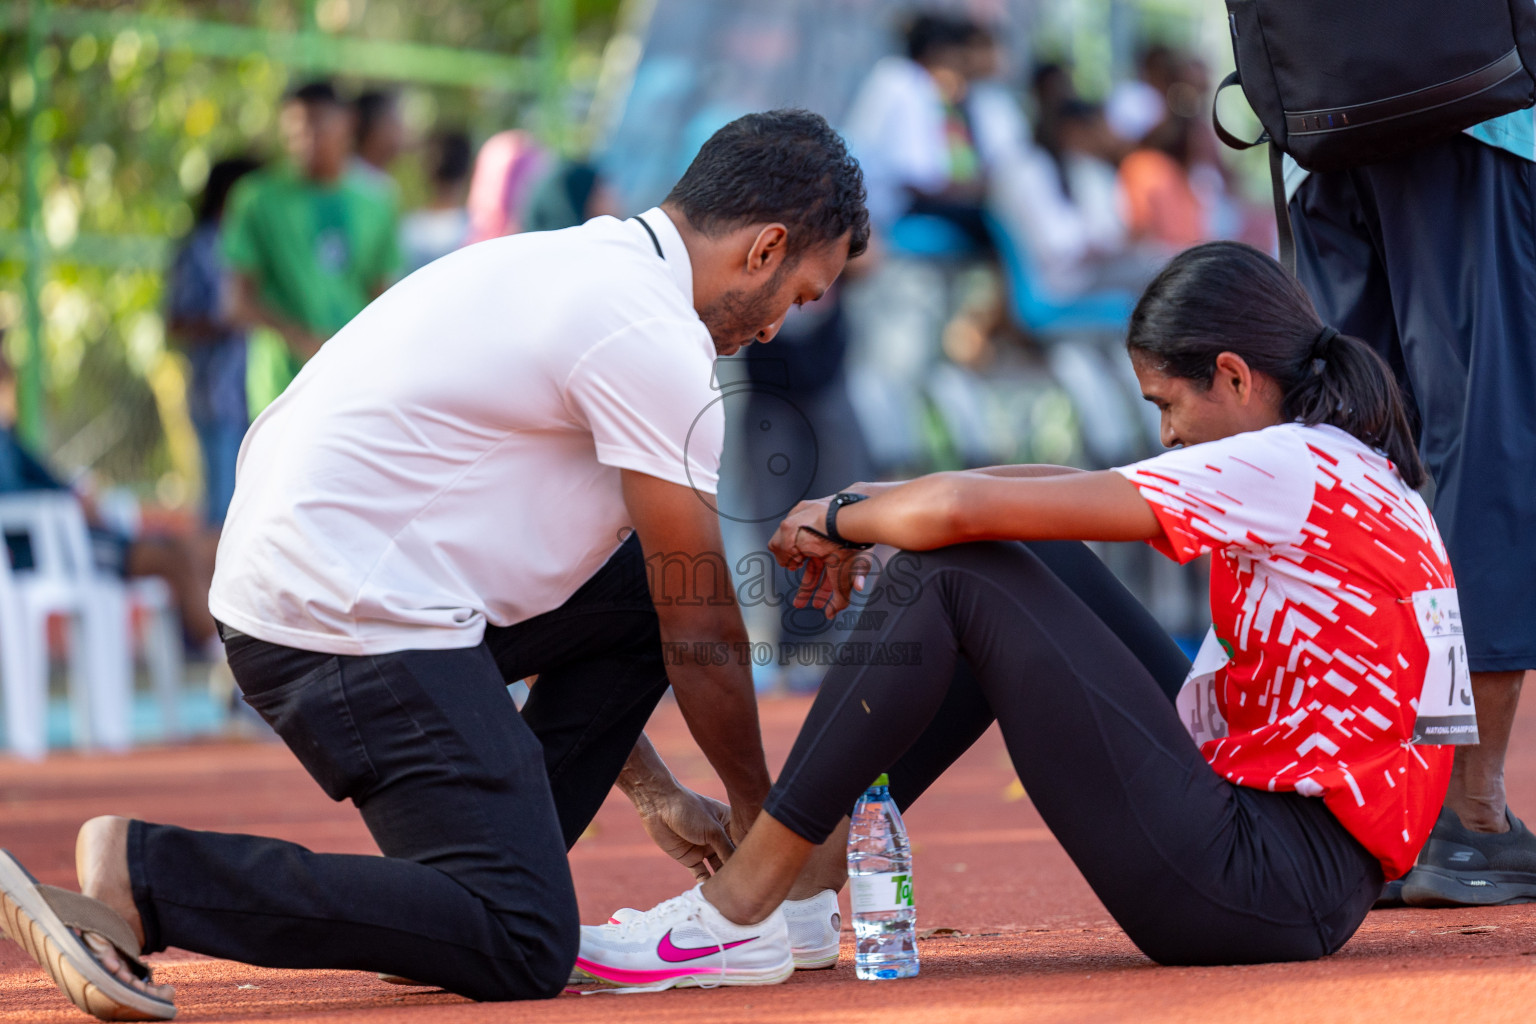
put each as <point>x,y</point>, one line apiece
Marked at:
<point>316,254</point>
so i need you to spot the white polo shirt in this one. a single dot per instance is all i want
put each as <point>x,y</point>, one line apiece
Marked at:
<point>452,456</point>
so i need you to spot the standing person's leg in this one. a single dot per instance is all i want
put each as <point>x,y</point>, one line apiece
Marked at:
<point>1442,288</point>
<point>1195,869</point>
<point>1459,270</point>
<point>473,892</point>
<point>601,673</point>
<point>1463,278</point>
<point>220,443</point>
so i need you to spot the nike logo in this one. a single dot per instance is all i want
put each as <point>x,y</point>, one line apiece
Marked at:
<point>681,954</point>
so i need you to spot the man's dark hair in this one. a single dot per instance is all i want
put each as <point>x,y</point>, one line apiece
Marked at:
<point>451,154</point>
<point>315,94</point>
<point>784,165</point>
<point>930,33</point>
<point>369,109</point>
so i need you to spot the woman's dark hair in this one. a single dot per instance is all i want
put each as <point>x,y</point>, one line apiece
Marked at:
<point>1229,297</point>
<point>785,165</point>
<point>221,179</point>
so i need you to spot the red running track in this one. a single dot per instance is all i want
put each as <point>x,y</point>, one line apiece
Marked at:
<point>1021,935</point>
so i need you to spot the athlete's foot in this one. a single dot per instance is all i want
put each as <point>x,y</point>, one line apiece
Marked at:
<point>101,864</point>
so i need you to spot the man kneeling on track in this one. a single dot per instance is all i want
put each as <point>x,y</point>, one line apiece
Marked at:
<point>461,490</point>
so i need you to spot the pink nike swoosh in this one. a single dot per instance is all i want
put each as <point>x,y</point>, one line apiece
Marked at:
<point>680,954</point>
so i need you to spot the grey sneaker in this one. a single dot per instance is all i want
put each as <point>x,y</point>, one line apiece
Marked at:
<point>1462,868</point>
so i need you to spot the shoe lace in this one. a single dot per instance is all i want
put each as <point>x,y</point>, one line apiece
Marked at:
<point>663,911</point>
<point>696,918</point>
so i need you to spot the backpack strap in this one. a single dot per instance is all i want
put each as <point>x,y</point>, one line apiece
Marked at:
<point>1282,211</point>
<point>1276,176</point>
<point>1221,131</point>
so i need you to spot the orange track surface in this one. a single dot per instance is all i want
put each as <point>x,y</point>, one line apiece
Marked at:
<point>1030,941</point>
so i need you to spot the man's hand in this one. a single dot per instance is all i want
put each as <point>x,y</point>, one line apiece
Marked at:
<point>692,829</point>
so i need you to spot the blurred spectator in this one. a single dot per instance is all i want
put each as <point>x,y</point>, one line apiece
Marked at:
<point>1140,104</point>
<point>1064,208</point>
<point>442,225</point>
<point>198,323</point>
<point>184,565</point>
<point>998,122</point>
<point>1050,89</point>
<point>799,438</point>
<point>308,245</point>
<point>378,137</point>
<point>1162,206</point>
<point>914,131</point>
<point>571,194</point>
<point>507,168</point>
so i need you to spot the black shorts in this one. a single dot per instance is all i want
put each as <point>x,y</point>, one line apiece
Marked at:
<point>1431,258</point>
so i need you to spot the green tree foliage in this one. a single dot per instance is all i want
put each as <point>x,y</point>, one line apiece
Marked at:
<point>131,123</point>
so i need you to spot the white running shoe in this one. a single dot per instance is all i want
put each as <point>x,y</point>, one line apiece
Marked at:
<point>686,942</point>
<point>814,930</point>
<point>814,925</point>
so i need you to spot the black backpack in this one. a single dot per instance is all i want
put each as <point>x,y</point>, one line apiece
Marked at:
<point>1339,83</point>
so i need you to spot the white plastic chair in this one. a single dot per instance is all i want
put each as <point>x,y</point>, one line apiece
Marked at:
<point>154,611</point>
<point>25,707</point>
<point>154,614</point>
<point>64,581</point>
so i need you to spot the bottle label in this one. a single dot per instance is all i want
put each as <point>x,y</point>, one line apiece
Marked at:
<point>884,891</point>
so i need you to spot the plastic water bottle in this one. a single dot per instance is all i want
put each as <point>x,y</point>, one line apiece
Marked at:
<point>880,883</point>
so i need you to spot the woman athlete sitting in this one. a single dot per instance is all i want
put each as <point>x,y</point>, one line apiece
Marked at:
<point>1294,467</point>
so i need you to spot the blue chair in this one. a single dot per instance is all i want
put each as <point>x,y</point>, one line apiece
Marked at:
<point>1043,315</point>
<point>926,237</point>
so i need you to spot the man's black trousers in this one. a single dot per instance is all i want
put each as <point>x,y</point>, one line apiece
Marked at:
<point>472,804</point>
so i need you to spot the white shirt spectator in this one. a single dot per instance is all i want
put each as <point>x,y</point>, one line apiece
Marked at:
<point>452,456</point>
<point>1062,236</point>
<point>896,129</point>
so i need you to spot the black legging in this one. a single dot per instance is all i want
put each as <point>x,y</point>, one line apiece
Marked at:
<point>1043,639</point>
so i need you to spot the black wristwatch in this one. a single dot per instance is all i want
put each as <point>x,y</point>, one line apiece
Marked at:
<point>838,501</point>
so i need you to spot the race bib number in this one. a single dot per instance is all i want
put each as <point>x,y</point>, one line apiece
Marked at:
<point>885,891</point>
<point>1446,712</point>
<point>1196,702</point>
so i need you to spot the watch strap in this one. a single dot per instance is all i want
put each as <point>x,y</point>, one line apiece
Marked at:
<point>838,501</point>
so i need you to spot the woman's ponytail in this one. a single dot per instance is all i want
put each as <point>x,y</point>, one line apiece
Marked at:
<point>1345,383</point>
<point>1229,297</point>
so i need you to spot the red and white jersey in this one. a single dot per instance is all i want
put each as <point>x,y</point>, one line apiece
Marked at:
<point>1317,550</point>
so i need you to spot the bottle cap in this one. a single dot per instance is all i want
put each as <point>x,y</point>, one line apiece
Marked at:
<point>883,780</point>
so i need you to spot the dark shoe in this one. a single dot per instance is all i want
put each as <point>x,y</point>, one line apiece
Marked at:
<point>1391,895</point>
<point>1462,868</point>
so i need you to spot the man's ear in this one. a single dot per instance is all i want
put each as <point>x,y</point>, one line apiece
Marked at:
<point>1233,371</point>
<point>768,249</point>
